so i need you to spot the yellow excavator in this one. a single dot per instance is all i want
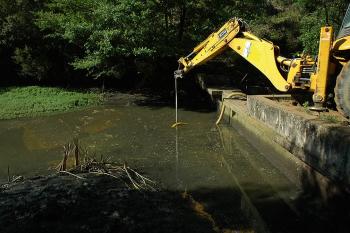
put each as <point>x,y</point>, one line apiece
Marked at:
<point>331,68</point>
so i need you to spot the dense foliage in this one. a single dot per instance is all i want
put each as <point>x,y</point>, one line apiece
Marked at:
<point>60,39</point>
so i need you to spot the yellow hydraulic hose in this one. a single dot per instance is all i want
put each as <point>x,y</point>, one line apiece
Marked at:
<point>223,107</point>
<point>176,124</point>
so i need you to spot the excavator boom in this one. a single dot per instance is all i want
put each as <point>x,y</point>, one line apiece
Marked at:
<point>233,34</point>
<point>214,45</point>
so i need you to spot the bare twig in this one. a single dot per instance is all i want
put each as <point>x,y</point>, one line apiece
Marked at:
<point>17,178</point>
<point>67,150</point>
<point>104,173</point>
<point>102,166</point>
<point>8,174</point>
<point>76,151</point>
<point>142,177</point>
<point>107,174</point>
<point>132,181</point>
<point>69,173</point>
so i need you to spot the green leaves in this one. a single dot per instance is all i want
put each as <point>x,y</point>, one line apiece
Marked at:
<point>315,13</point>
<point>102,30</point>
<point>310,36</point>
<point>98,37</point>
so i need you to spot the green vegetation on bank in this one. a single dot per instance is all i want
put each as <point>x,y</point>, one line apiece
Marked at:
<point>51,39</point>
<point>35,101</point>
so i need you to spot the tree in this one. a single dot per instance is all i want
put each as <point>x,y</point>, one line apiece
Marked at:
<point>49,39</point>
<point>318,13</point>
<point>20,39</point>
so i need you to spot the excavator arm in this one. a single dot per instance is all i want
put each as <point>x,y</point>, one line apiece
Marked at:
<point>233,34</point>
<point>214,45</point>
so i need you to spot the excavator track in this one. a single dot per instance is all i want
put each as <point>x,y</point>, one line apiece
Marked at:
<point>342,91</point>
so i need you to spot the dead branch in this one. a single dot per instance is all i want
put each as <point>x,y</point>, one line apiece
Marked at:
<point>69,173</point>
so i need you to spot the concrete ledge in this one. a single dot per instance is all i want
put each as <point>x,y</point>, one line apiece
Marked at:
<point>236,114</point>
<point>324,146</point>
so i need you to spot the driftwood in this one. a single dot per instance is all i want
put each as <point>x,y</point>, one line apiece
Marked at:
<point>84,164</point>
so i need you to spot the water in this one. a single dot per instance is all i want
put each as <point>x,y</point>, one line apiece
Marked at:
<point>236,181</point>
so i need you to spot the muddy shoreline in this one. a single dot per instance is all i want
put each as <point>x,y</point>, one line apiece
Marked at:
<point>94,203</point>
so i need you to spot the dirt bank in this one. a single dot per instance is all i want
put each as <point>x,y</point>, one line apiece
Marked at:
<point>93,203</point>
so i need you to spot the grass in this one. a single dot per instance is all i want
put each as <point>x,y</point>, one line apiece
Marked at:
<point>330,118</point>
<point>34,101</point>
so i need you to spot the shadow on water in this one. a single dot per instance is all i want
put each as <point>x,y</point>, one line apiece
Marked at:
<point>295,198</point>
<point>190,98</point>
<point>328,198</point>
<point>186,102</point>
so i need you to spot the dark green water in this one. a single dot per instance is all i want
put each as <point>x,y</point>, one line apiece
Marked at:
<point>141,136</point>
<point>235,180</point>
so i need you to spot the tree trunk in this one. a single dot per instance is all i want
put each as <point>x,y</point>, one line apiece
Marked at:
<point>166,19</point>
